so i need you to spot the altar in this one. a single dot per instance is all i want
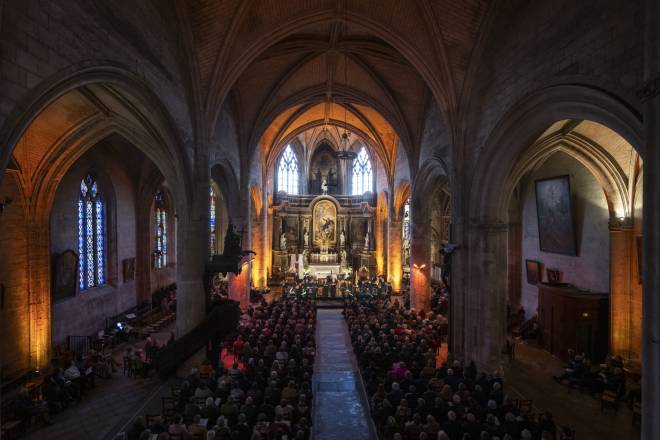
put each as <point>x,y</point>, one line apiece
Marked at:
<point>326,235</point>
<point>321,271</point>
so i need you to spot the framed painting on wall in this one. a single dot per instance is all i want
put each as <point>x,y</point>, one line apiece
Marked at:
<point>65,274</point>
<point>555,215</point>
<point>324,217</point>
<point>533,271</point>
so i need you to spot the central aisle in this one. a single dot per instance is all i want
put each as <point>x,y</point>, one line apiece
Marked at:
<point>341,411</point>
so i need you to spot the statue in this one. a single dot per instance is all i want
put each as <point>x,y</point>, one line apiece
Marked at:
<point>232,242</point>
<point>342,238</point>
<point>324,185</point>
<point>283,241</point>
<point>366,240</point>
<point>306,237</point>
<point>342,257</point>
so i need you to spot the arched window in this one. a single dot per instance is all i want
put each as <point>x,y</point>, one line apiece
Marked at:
<point>213,236</point>
<point>362,175</point>
<point>287,173</point>
<point>160,230</point>
<point>91,234</point>
<point>405,233</point>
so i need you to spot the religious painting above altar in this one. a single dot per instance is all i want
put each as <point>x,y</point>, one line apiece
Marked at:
<point>324,223</point>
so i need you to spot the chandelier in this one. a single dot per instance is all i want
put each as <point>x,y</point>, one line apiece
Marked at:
<point>344,152</point>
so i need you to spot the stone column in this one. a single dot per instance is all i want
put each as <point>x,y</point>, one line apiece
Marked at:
<point>485,298</point>
<point>258,244</point>
<point>394,254</point>
<point>622,304</point>
<point>651,230</point>
<point>420,264</point>
<point>39,293</point>
<point>192,245</point>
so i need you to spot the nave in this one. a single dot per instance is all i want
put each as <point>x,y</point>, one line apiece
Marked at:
<point>178,176</point>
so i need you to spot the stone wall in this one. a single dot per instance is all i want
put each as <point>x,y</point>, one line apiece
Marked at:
<point>590,268</point>
<point>532,45</point>
<point>85,313</point>
<point>14,312</point>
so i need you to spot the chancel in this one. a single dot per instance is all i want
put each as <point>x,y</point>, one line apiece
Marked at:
<point>322,219</point>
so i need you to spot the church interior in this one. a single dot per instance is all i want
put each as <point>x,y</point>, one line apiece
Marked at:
<point>322,219</point>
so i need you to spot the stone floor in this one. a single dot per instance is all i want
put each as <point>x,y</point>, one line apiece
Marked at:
<point>105,409</point>
<point>529,376</point>
<point>340,408</point>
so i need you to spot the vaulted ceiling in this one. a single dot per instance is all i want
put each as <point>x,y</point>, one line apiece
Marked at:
<point>382,60</point>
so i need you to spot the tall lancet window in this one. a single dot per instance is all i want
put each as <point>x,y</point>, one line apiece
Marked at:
<point>213,234</point>
<point>160,230</point>
<point>362,175</point>
<point>91,234</point>
<point>287,172</point>
<point>405,233</point>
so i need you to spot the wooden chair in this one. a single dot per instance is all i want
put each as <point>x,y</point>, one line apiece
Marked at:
<point>11,429</point>
<point>609,400</point>
<point>567,433</point>
<point>151,419</point>
<point>176,391</point>
<point>636,413</point>
<point>524,406</point>
<point>168,407</point>
<point>129,369</point>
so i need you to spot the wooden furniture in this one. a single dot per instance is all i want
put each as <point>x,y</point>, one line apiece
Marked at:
<point>573,319</point>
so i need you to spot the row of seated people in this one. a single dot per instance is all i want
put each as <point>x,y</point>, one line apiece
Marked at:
<point>266,393</point>
<point>411,399</point>
<point>609,376</point>
<point>64,384</point>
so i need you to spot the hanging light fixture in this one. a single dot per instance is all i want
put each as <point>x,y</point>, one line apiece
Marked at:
<point>344,151</point>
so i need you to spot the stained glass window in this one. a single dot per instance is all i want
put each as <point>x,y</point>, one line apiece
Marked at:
<point>362,175</point>
<point>160,230</point>
<point>213,237</point>
<point>91,234</point>
<point>287,173</point>
<point>405,233</point>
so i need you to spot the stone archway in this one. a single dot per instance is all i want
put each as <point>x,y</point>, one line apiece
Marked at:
<point>482,295</point>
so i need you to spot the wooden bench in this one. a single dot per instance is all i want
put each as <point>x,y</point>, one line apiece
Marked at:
<point>609,399</point>
<point>11,429</point>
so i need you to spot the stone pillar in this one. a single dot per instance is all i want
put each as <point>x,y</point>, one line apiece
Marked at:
<point>651,229</point>
<point>192,244</point>
<point>420,263</point>
<point>624,322</point>
<point>394,254</point>
<point>259,245</point>
<point>39,291</point>
<point>192,247</point>
<point>485,299</point>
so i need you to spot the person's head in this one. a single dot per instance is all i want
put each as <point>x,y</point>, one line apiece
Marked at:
<point>442,435</point>
<point>526,434</point>
<point>196,419</point>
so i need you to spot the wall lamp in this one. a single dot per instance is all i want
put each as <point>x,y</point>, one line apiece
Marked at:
<point>422,267</point>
